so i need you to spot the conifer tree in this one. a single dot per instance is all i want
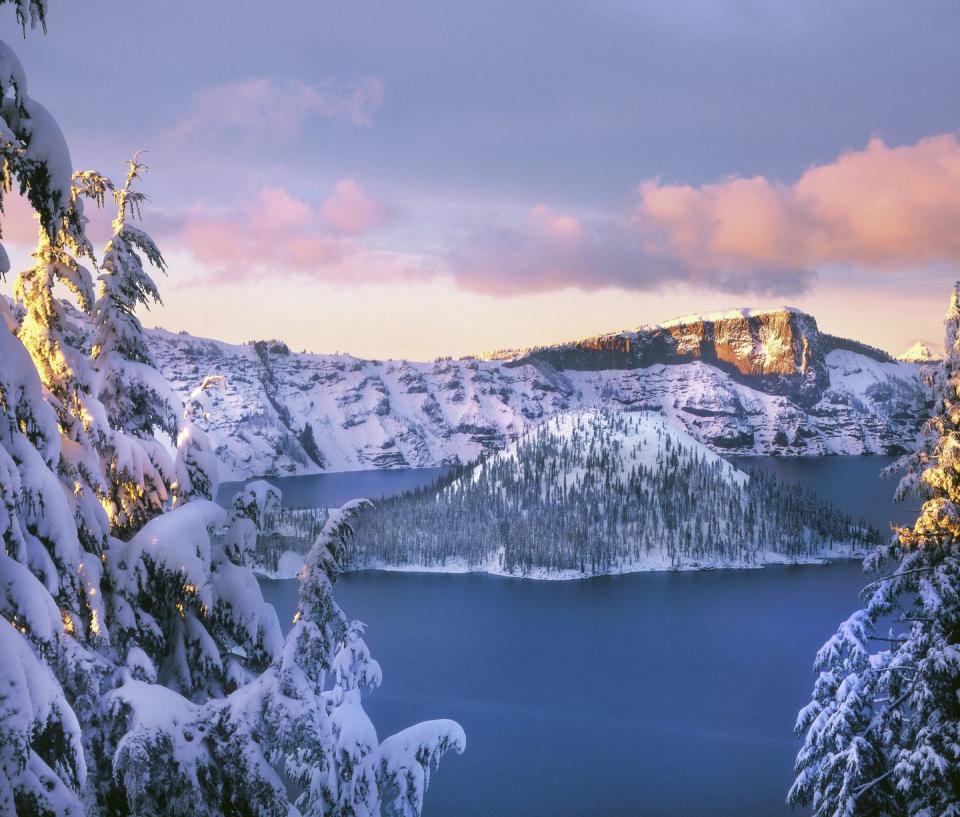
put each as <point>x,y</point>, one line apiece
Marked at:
<point>882,732</point>
<point>49,333</point>
<point>145,674</point>
<point>136,398</point>
<point>197,472</point>
<point>51,603</point>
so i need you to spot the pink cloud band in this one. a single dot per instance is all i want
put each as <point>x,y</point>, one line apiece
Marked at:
<point>876,210</point>
<point>879,208</point>
<point>280,234</point>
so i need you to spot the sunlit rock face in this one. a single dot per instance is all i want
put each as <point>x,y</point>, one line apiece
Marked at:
<point>742,382</point>
<point>778,351</point>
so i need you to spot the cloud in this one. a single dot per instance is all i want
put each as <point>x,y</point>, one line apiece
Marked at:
<point>278,234</point>
<point>548,250</point>
<point>350,210</point>
<point>876,210</point>
<point>881,208</point>
<point>18,223</point>
<point>871,214</point>
<point>20,226</point>
<point>274,108</point>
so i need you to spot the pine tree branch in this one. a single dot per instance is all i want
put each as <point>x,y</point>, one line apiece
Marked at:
<point>896,576</point>
<point>869,785</point>
<point>876,719</point>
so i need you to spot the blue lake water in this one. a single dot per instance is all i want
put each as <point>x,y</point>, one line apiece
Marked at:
<point>333,489</point>
<point>853,484</point>
<point>648,694</point>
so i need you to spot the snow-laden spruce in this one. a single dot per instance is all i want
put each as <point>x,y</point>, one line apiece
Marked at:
<point>141,671</point>
<point>590,493</point>
<point>881,735</point>
<point>137,399</point>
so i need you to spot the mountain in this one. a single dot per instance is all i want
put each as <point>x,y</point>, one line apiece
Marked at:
<point>741,382</point>
<point>598,492</point>
<point>920,352</point>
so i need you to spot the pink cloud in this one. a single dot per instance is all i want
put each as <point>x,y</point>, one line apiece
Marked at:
<point>873,210</point>
<point>547,250</point>
<point>555,226</point>
<point>279,234</point>
<point>880,208</point>
<point>350,210</point>
<point>20,226</point>
<point>17,222</point>
<point>263,107</point>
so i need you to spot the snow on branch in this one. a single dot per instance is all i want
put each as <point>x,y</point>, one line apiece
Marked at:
<point>408,757</point>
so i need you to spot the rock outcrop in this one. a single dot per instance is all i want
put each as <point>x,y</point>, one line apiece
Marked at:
<point>779,351</point>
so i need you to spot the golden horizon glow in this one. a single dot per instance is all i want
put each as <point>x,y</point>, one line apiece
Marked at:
<point>423,321</point>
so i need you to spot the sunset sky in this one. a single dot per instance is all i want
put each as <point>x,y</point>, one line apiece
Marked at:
<point>415,179</point>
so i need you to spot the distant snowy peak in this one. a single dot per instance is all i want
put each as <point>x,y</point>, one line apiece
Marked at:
<point>920,352</point>
<point>742,382</point>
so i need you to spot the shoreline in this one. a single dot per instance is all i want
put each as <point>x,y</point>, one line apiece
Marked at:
<point>542,575</point>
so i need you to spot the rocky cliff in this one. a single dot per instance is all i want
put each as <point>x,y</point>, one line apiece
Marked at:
<point>742,382</point>
<point>777,351</point>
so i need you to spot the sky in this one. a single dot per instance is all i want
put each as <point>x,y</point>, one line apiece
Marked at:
<point>427,178</point>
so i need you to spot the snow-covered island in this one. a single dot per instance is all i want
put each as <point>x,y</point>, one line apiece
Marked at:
<point>589,493</point>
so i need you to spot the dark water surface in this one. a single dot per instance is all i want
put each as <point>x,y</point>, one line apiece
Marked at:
<point>667,694</point>
<point>648,694</point>
<point>853,484</point>
<point>333,489</point>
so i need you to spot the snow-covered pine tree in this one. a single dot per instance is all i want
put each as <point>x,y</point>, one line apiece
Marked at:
<point>197,472</point>
<point>31,13</point>
<point>882,733</point>
<point>286,726</point>
<point>42,763</point>
<point>137,399</point>
<point>55,342</point>
<point>362,777</point>
<point>54,530</point>
<point>63,555</point>
<point>148,676</point>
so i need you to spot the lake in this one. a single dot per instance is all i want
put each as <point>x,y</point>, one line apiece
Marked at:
<point>333,489</point>
<point>853,484</point>
<point>646,694</point>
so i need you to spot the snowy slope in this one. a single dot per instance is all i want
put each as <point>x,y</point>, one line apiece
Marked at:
<point>751,382</point>
<point>637,440</point>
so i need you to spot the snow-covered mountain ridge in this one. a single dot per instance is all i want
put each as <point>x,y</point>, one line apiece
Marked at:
<point>747,382</point>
